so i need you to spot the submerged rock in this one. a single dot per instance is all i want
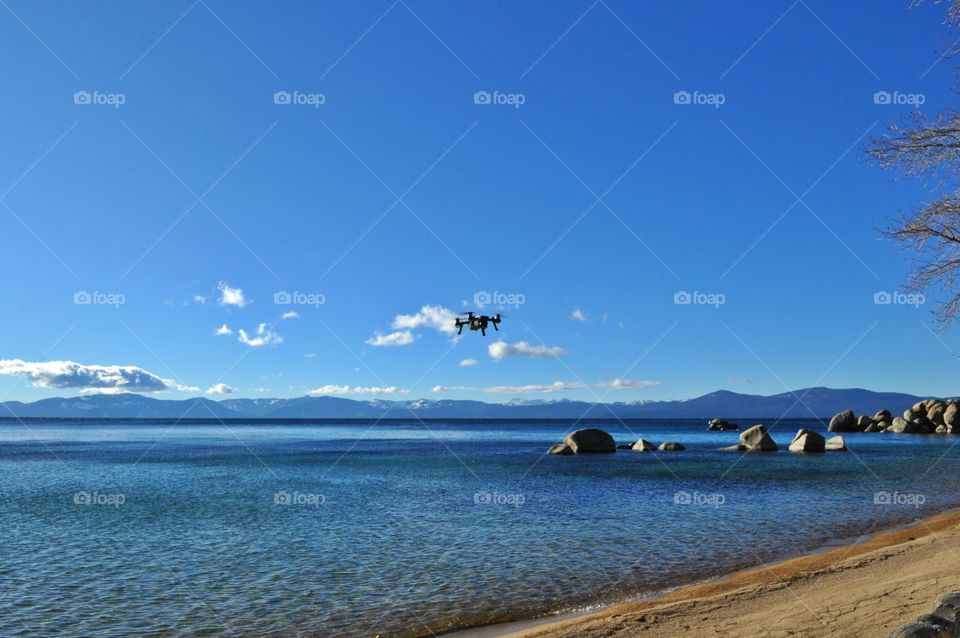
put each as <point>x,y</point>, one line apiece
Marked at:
<point>670,446</point>
<point>722,424</point>
<point>807,441</point>
<point>590,441</point>
<point>756,439</point>
<point>642,445</point>
<point>560,448</point>
<point>624,446</point>
<point>734,448</point>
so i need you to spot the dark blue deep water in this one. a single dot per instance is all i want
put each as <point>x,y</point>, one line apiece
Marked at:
<point>363,529</point>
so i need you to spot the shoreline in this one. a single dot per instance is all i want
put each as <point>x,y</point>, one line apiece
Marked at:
<point>674,611</point>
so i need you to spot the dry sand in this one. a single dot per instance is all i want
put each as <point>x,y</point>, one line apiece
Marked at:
<point>867,589</point>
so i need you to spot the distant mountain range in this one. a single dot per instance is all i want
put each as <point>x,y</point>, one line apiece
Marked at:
<point>821,402</point>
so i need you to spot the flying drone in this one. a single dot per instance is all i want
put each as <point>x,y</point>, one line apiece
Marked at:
<point>477,322</point>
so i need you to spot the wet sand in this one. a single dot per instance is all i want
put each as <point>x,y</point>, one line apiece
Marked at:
<point>863,590</point>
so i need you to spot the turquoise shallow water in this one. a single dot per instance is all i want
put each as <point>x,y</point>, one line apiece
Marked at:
<point>364,529</point>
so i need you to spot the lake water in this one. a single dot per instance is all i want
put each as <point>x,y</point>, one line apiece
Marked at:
<point>359,529</point>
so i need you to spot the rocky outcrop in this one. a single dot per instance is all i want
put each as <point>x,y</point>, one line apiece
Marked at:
<point>756,439</point>
<point>560,448</point>
<point>642,445</point>
<point>845,421</point>
<point>901,425</point>
<point>590,441</point>
<point>670,446</point>
<point>807,441</point>
<point>944,622</point>
<point>721,424</point>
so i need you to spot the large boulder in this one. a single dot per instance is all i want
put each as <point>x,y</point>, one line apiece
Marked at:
<point>951,417</point>
<point>721,424</point>
<point>560,448</point>
<point>670,446</point>
<point>835,444</point>
<point>923,425</point>
<point>920,407</point>
<point>844,422</point>
<point>902,426</point>
<point>863,423</point>
<point>935,413</point>
<point>882,415</point>
<point>920,629</point>
<point>756,439</point>
<point>642,445</point>
<point>807,441</point>
<point>873,427</point>
<point>590,441</point>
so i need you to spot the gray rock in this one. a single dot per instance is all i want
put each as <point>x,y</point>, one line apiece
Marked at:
<point>590,441</point>
<point>721,424</point>
<point>835,444</point>
<point>734,448</point>
<point>560,448</point>
<point>756,439</point>
<point>882,425</point>
<point>882,415</point>
<point>951,416</point>
<point>917,629</point>
<point>873,427</point>
<point>941,429</point>
<point>911,415</point>
<point>807,441</point>
<point>935,413</point>
<point>844,422</point>
<point>670,446</point>
<point>920,407</point>
<point>902,426</point>
<point>923,425</point>
<point>642,445</point>
<point>863,423</point>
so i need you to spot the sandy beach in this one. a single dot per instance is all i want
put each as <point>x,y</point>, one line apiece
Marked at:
<point>864,590</point>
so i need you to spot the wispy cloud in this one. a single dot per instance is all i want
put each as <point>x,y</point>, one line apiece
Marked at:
<point>263,337</point>
<point>627,384</point>
<point>501,350</point>
<point>548,388</point>
<point>92,378</point>
<point>230,296</point>
<point>290,314</point>
<point>577,315</point>
<point>333,389</point>
<point>223,330</point>
<point>465,363</point>
<point>556,386</point>
<point>399,338</point>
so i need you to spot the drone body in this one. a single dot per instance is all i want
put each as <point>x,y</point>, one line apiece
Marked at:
<point>477,322</point>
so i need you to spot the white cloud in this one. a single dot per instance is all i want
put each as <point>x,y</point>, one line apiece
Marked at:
<point>223,330</point>
<point>435,317</point>
<point>309,355</point>
<point>264,336</point>
<point>187,388</point>
<point>626,384</point>
<point>501,349</point>
<point>290,314</point>
<point>96,378</point>
<point>577,315</point>
<point>200,299</point>
<point>220,388</point>
<point>346,389</point>
<point>556,386</point>
<point>400,338</point>
<point>231,296</point>
<point>465,363</point>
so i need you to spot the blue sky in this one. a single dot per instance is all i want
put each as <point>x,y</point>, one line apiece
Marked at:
<point>577,189</point>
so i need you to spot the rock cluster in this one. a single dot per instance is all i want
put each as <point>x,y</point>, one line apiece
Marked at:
<point>593,440</point>
<point>721,424</point>
<point>943,622</point>
<point>925,417</point>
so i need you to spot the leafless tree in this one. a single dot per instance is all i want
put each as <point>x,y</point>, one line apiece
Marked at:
<point>929,147</point>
